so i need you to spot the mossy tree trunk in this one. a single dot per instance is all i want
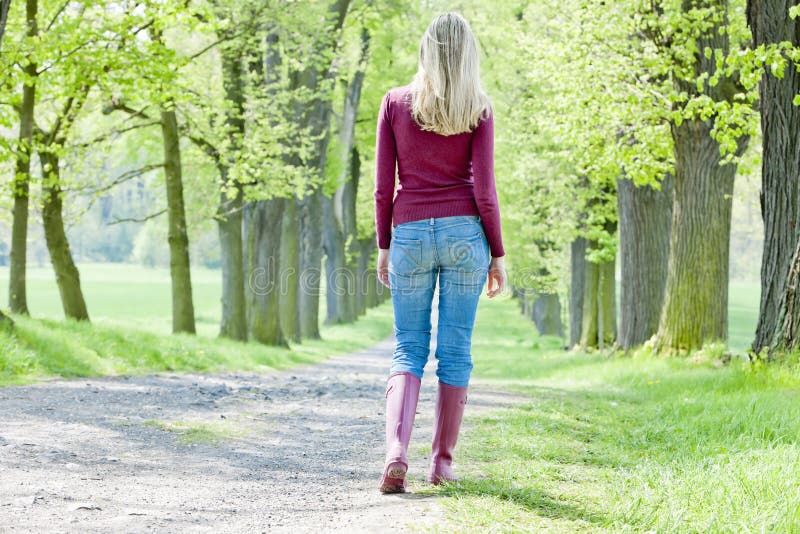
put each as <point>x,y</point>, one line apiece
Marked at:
<point>177,236</point>
<point>780,165</point>
<point>696,295</point>
<point>289,272</point>
<point>645,218</point>
<point>598,317</point>
<point>309,209</point>
<point>262,219</point>
<point>576,289</point>
<point>67,276</point>
<point>338,283</point>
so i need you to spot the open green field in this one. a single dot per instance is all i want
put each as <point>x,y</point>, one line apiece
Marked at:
<point>130,310</point>
<point>140,296</point>
<point>131,294</point>
<point>627,444</point>
<point>131,324</point>
<point>743,303</point>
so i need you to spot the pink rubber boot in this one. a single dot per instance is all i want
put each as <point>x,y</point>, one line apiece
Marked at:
<point>402,393</point>
<point>449,411</point>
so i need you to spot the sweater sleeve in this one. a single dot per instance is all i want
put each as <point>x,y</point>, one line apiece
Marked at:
<point>385,170</point>
<point>484,184</point>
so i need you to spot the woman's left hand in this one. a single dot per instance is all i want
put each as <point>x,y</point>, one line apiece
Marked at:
<point>383,266</point>
<point>497,277</point>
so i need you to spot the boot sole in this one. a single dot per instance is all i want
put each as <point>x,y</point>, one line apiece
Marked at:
<point>396,473</point>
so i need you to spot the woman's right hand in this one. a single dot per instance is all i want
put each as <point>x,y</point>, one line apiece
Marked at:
<point>383,266</point>
<point>497,274</point>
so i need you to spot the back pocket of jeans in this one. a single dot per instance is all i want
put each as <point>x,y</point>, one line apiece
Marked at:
<point>405,255</point>
<point>468,254</point>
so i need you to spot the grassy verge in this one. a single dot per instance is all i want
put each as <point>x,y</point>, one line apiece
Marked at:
<point>41,348</point>
<point>625,444</point>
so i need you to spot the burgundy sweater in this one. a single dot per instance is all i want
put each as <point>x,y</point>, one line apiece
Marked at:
<point>440,176</point>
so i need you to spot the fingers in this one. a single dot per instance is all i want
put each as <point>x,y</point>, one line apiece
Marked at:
<point>383,276</point>
<point>497,283</point>
<point>492,287</point>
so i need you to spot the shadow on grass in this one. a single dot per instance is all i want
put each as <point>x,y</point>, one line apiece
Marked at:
<point>532,499</point>
<point>597,432</point>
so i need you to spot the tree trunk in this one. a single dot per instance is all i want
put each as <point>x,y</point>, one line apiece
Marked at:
<point>289,272</point>
<point>339,211</point>
<point>315,115</point>
<point>262,285</point>
<point>366,246</point>
<point>17,294</point>
<point>233,323</point>
<point>598,325</point>
<point>182,304</point>
<point>645,217</point>
<point>67,276</point>
<point>696,296</point>
<point>309,209</point>
<point>780,164</point>
<point>786,338</point>
<point>337,282</point>
<point>523,302</point>
<point>546,314</point>
<point>4,7</point>
<point>576,289</point>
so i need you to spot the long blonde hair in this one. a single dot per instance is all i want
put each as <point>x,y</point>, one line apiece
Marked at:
<point>447,96</point>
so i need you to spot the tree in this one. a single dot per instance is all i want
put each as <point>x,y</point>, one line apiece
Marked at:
<point>645,218</point>
<point>340,238</point>
<point>180,272</point>
<point>51,145</point>
<point>696,295</point>
<point>576,289</point>
<point>233,321</point>
<point>776,37</point>
<point>17,294</point>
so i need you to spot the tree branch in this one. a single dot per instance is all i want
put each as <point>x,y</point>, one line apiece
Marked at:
<point>56,15</point>
<point>135,219</point>
<point>115,133</point>
<point>124,177</point>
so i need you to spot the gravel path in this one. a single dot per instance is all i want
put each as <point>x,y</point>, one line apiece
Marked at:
<point>290,451</point>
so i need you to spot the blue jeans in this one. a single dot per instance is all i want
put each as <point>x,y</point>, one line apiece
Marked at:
<point>454,250</point>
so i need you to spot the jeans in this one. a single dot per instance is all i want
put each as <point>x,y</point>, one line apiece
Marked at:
<point>454,250</point>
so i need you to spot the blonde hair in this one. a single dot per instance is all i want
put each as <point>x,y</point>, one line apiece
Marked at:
<point>446,92</point>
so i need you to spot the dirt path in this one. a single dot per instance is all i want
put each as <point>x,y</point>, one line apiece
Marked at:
<point>293,451</point>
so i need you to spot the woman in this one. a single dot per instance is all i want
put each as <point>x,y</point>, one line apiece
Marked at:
<point>439,132</point>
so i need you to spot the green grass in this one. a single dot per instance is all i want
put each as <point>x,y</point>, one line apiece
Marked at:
<point>129,334</point>
<point>131,295</point>
<point>192,432</point>
<point>625,444</point>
